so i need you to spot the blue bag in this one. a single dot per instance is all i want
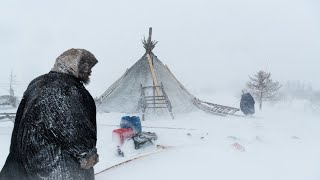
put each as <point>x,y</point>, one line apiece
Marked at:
<point>131,122</point>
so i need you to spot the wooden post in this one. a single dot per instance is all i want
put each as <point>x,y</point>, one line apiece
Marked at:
<point>153,73</point>
<point>149,45</point>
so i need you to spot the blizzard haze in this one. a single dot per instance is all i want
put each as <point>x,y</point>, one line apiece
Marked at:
<point>211,47</point>
<point>208,45</point>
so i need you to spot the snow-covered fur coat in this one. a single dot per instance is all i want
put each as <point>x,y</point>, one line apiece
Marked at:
<point>55,125</point>
<point>247,104</point>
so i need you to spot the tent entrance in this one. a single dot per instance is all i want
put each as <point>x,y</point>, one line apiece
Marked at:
<point>153,97</point>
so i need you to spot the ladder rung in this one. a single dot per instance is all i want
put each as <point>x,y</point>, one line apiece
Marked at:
<point>156,107</point>
<point>150,86</point>
<point>154,96</point>
<point>156,103</point>
<point>7,113</point>
<point>155,99</point>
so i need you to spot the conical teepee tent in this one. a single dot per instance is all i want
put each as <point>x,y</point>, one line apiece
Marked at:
<point>125,95</point>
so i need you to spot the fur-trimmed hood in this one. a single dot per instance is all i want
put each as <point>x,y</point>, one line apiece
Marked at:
<point>72,60</point>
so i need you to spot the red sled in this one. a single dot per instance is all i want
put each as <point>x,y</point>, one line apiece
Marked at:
<point>120,135</point>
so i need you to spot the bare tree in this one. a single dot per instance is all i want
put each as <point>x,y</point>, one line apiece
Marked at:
<point>262,87</point>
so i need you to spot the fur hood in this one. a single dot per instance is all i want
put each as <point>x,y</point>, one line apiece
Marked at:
<point>72,60</point>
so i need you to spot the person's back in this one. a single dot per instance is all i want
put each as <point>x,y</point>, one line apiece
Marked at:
<point>54,135</point>
<point>247,104</point>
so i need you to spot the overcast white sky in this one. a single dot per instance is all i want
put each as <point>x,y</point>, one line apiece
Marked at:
<point>208,44</point>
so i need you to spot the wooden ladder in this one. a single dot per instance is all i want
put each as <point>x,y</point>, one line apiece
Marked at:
<point>158,99</point>
<point>215,108</point>
<point>8,116</point>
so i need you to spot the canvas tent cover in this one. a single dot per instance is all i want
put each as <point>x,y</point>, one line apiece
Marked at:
<point>124,94</point>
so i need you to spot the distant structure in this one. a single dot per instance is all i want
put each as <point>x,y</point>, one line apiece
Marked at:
<point>11,99</point>
<point>150,87</point>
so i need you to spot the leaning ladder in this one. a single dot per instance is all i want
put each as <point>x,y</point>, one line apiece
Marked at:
<point>9,116</point>
<point>154,101</point>
<point>215,108</point>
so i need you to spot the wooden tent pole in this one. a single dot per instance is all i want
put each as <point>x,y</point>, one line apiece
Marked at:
<point>153,73</point>
<point>149,45</point>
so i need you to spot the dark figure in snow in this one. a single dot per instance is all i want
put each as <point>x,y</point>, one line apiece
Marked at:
<point>247,103</point>
<point>54,135</point>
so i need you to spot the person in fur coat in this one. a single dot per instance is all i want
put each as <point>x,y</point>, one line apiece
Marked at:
<point>54,135</point>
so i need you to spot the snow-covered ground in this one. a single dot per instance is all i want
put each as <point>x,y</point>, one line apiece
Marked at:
<point>279,143</point>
